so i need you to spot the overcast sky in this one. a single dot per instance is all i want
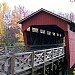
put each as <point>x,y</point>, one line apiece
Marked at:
<point>33,5</point>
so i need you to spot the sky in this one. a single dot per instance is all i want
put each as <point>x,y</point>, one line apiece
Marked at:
<point>33,5</point>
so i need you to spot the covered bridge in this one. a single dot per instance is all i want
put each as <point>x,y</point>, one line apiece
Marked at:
<point>46,28</point>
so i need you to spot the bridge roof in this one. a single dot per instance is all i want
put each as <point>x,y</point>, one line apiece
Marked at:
<point>58,16</point>
<point>51,13</point>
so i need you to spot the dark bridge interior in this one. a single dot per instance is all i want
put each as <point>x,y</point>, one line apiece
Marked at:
<point>45,35</point>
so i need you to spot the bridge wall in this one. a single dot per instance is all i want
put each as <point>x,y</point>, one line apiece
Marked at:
<point>72,47</point>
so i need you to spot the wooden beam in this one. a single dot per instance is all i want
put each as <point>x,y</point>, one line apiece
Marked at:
<point>67,48</point>
<point>25,38</point>
<point>31,35</point>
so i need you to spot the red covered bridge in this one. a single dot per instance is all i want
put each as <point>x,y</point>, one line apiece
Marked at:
<point>46,28</point>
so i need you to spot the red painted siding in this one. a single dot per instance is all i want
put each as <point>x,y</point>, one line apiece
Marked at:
<point>43,18</point>
<point>72,46</point>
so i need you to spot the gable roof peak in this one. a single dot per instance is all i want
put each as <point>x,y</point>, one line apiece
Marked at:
<point>42,9</point>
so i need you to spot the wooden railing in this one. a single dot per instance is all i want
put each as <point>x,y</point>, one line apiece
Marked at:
<point>13,63</point>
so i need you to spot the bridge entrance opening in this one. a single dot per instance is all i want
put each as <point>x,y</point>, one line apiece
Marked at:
<point>45,35</point>
<point>42,37</point>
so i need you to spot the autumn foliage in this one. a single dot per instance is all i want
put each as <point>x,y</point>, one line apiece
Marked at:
<point>10,31</point>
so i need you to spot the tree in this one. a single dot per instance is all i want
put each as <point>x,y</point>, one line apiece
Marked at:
<point>10,38</point>
<point>18,13</point>
<point>10,31</point>
<point>3,9</point>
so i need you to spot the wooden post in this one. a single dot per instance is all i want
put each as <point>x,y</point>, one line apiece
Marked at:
<point>67,48</point>
<point>31,35</point>
<point>25,37</point>
<point>32,63</point>
<point>52,62</point>
<point>5,49</point>
<point>45,40</point>
<point>44,60</point>
<point>12,63</point>
<point>38,36</point>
